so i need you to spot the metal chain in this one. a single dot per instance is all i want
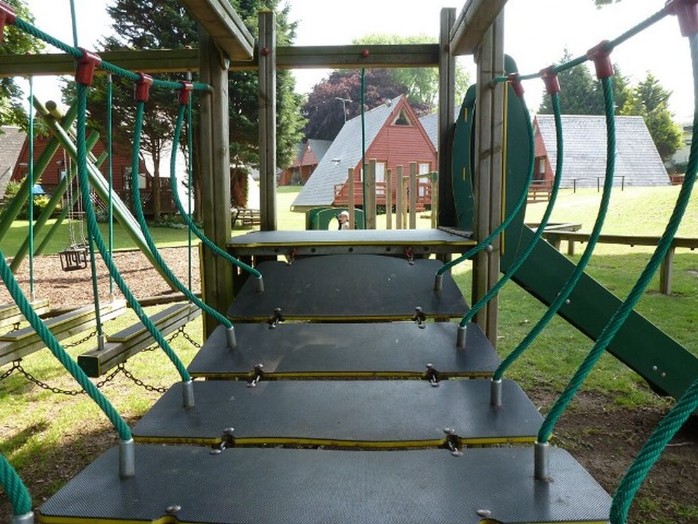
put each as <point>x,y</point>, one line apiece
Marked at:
<point>187,337</point>
<point>9,371</point>
<point>140,383</point>
<point>44,385</point>
<point>82,340</point>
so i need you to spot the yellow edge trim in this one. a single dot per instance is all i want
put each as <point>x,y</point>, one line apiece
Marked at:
<point>335,374</point>
<point>336,443</point>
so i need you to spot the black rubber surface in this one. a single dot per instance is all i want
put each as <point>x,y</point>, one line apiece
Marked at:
<point>332,350</point>
<point>409,412</point>
<point>346,287</point>
<point>281,486</point>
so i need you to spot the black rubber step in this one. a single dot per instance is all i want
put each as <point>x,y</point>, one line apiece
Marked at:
<point>346,350</point>
<point>279,486</point>
<point>348,287</point>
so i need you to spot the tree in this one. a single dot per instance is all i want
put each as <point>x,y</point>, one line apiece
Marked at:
<point>651,101</point>
<point>16,42</point>
<point>151,24</point>
<point>337,99</point>
<point>582,95</point>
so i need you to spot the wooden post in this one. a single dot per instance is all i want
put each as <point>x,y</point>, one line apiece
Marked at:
<point>214,163</point>
<point>350,206</point>
<point>370,196</point>
<point>665,272</point>
<point>434,178</point>
<point>399,199</point>
<point>414,189</point>
<point>488,171</point>
<point>267,119</point>
<point>389,199</point>
<point>446,208</point>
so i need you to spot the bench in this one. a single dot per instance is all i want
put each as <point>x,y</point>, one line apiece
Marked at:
<point>10,313</point>
<point>22,342</point>
<point>134,339</point>
<point>246,217</point>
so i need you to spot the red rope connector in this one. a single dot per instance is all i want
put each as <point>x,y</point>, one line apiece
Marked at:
<point>85,67</point>
<point>185,93</point>
<point>516,84</point>
<point>7,16</point>
<point>687,13</point>
<point>142,87</point>
<point>552,83</point>
<point>601,56</point>
<point>365,53</point>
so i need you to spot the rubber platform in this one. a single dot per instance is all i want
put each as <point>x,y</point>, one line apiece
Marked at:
<point>348,287</point>
<point>368,350</point>
<point>281,486</point>
<point>379,413</point>
<point>366,241</point>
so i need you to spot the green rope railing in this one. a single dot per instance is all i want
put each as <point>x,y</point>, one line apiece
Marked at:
<point>54,346</point>
<point>487,242</point>
<point>110,171</point>
<point>572,281</point>
<point>622,313</point>
<point>650,453</point>
<point>78,53</point>
<point>95,234</point>
<point>543,223</point>
<point>17,492</point>
<point>138,208</point>
<point>187,218</point>
<point>607,46</point>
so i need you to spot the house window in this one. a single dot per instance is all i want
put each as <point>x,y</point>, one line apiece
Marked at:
<point>402,119</point>
<point>424,168</point>
<point>380,172</point>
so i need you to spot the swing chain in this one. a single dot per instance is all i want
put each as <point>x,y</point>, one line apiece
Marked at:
<point>16,366</point>
<point>139,382</point>
<point>188,338</point>
<point>9,372</point>
<point>81,341</point>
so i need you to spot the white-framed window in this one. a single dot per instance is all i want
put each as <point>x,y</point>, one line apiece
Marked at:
<point>424,168</point>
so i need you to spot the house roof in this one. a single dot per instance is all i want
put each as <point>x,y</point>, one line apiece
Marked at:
<point>430,123</point>
<point>11,141</point>
<point>585,150</point>
<point>310,152</point>
<point>344,153</point>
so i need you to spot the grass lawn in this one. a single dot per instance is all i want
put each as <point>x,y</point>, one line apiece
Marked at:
<point>47,436</point>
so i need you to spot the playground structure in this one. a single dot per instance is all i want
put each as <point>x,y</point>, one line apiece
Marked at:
<point>182,481</point>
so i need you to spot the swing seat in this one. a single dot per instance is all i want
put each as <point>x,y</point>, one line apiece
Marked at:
<point>73,258</point>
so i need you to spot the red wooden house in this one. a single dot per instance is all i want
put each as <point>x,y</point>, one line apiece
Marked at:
<point>309,154</point>
<point>394,137</point>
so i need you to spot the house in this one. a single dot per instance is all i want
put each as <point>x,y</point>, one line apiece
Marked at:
<point>11,140</point>
<point>309,154</point>
<point>393,137</point>
<point>430,123</point>
<point>637,161</point>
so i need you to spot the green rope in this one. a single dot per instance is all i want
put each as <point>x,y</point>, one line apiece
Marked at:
<point>543,223</point>
<point>650,453</point>
<point>17,492</point>
<point>30,175</point>
<point>187,218</point>
<point>505,223</point>
<point>622,313</point>
<point>93,231</point>
<point>656,17</point>
<point>74,21</point>
<point>571,282</point>
<point>138,208</point>
<point>52,343</point>
<point>77,53</point>
<point>110,171</point>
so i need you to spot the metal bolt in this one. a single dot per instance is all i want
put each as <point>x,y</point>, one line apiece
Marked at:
<point>484,513</point>
<point>449,431</point>
<point>172,510</point>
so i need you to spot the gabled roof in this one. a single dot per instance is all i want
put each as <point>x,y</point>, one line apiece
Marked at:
<point>430,123</point>
<point>585,150</point>
<point>11,141</point>
<point>310,152</point>
<point>344,153</point>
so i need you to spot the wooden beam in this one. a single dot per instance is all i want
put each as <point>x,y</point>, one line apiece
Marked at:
<point>447,81</point>
<point>220,21</point>
<point>473,22</point>
<point>181,60</point>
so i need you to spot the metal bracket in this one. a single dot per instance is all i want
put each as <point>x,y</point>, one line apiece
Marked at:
<point>227,441</point>
<point>433,376</point>
<point>419,317</point>
<point>453,442</point>
<point>259,373</point>
<point>275,319</point>
<point>409,255</point>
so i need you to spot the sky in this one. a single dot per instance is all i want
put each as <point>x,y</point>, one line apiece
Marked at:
<point>536,34</point>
